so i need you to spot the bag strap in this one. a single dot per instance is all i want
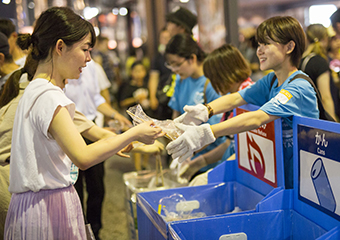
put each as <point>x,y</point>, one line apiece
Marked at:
<point>306,60</point>
<point>303,76</point>
<point>318,95</point>
<point>204,91</point>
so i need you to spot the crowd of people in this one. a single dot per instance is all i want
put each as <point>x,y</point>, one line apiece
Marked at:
<point>57,81</point>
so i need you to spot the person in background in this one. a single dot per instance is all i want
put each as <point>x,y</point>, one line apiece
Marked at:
<point>104,86</point>
<point>85,93</point>
<point>103,82</point>
<point>180,20</point>
<point>7,64</point>
<point>135,91</point>
<point>280,94</point>
<point>132,93</point>
<point>334,65</point>
<point>161,81</point>
<point>136,54</point>
<point>315,64</point>
<point>228,72</point>
<point>185,58</point>
<point>247,47</point>
<point>8,28</point>
<point>45,141</point>
<point>334,48</point>
<point>101,55</point>
<point>335,20</point>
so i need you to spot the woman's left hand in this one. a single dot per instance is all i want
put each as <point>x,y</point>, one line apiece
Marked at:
<point>126,149</point>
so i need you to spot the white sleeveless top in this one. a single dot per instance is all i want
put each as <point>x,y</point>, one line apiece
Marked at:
<point>37,161</point>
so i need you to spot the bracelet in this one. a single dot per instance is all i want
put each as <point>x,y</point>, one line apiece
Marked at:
<point>210,110</point>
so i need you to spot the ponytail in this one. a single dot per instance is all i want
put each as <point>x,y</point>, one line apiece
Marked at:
<point>53,24</point>
<point>316,33</point>
<point>11,88</point>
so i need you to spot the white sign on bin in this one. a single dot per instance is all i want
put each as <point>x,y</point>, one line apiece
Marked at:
<point>187,206</point>
<point>256,152</point>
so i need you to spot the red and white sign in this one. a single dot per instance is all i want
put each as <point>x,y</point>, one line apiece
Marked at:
<point>256,152</point>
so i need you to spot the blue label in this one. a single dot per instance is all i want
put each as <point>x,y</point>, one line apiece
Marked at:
<point>318,168</point>
<point>74,173</point>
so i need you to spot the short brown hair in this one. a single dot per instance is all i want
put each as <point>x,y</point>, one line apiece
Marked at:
<point>283,29</point>
<point>225,66</point>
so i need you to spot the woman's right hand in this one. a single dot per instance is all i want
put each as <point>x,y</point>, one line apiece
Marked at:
<point>147,132</point>
<point>194,115</point>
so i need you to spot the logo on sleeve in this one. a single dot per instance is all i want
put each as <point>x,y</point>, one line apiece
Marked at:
<point>283,96</point>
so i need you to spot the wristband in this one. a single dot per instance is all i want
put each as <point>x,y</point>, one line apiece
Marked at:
<point>210,110</point>
<point>113,115</point>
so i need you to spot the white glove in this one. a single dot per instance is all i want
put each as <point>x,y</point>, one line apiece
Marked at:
<point>194,115</point>
<point>174,164</point>
<point>193,139</point>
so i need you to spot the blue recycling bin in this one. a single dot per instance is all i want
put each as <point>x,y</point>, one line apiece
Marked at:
<point>308,211</point>
<point>238,184</point>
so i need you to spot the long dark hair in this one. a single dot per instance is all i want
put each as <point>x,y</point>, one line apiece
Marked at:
<point>184,46</point>
<point>53,24</point>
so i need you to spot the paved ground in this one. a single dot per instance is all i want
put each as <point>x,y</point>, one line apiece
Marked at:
<point>115,221</point>
<point>114,213</point>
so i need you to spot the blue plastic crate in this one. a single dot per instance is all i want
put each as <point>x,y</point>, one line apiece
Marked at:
<point>308,211</point>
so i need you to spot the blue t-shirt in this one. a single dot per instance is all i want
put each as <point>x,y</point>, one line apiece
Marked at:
<point>190,91</point>
<point>295,98</point>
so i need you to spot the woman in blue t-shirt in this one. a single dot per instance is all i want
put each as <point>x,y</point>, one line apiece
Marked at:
<point>281,44</point>
<point>185,58</point>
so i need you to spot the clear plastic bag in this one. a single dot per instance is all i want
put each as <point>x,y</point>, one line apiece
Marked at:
<point>176,207</point>
<point>168,126</point>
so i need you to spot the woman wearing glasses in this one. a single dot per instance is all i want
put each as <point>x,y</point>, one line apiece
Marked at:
<point>185,58</point>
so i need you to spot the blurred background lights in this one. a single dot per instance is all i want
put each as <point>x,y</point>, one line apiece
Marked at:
<point>31,5</point>
<point>90,12</point>
<point>123,11</point>
<point>115,11</point>
<point>321,14</point>
<point>112,44</point>
<point>6,1</point>
<point>137,42</point>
